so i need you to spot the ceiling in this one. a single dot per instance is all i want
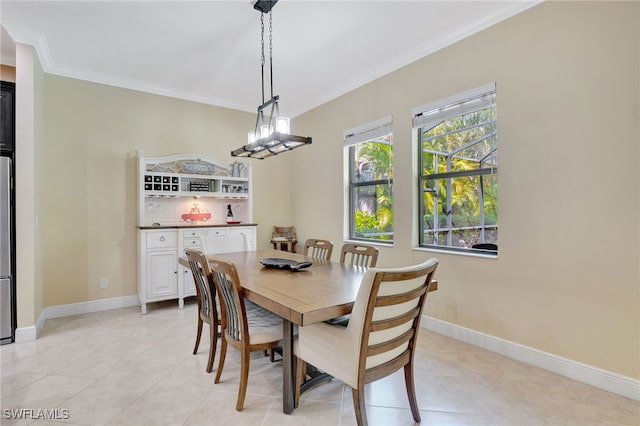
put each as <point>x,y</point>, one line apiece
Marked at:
<point>209,51</point>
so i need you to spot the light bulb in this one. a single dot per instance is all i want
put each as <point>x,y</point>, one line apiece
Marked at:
<point>265,130</point>
<point>251,137</point>
<point>282,125</point>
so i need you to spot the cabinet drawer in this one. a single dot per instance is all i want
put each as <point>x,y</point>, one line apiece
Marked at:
<point>192,234</point>
<point>166,239</point>
<point>218,232</point>
<point>192,242</point>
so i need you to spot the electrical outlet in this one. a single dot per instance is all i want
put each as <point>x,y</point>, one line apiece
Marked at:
<point>104,282</point>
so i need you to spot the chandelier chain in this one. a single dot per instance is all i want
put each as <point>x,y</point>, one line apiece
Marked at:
<point>270,36</point>
<point>271,53</point>
<point>262,39</point>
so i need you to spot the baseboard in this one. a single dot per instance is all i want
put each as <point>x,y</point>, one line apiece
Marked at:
<point>25,334</point>
<point>594,376</point>
<point>91,306</point>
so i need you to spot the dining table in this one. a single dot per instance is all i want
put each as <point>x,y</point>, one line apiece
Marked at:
<point>317,293</point>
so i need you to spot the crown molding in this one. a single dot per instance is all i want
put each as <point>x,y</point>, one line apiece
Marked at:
<point>456,34</point>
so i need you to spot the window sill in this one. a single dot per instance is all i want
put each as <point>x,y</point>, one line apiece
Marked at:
<point>370,243</point>
<point>457,253</point>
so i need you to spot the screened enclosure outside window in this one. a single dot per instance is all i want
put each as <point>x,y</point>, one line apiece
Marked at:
<point>370,181</point>
<point>458,168</point>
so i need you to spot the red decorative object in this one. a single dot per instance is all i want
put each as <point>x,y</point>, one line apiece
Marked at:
<point>195,215</point>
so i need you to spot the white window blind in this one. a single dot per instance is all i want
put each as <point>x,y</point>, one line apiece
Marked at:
<point>366,132</point>
<point>434,113</point>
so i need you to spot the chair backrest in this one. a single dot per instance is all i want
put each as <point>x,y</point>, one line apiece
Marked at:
<point>284,232</point>
<point>320,249</point>
<point>205,287</point>
<point>224,244</point>
<point>359,255</point>
<point>234,315</point>
<point>386,318</point>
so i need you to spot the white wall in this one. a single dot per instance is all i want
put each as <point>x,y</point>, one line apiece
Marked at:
<point>29,128</point>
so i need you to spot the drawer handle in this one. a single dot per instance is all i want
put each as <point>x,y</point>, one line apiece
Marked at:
<point>161,238</point>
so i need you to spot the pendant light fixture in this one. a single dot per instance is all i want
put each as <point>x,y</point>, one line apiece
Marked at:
<point>271,134</point>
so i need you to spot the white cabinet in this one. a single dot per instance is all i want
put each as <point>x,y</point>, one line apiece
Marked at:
<point>249,233</point>
<point>183,199</point>
<point>192,189</point>
<point>157,266</point>
<point>162,279</point>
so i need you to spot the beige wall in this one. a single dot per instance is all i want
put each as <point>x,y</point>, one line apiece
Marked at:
<point>567,278</point>
<point>89,178</point>
<point>568,90</point>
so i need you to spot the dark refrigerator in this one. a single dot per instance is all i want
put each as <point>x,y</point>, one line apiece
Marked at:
<point>6,273</point>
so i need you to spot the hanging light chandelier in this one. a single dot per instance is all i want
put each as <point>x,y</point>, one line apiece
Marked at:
<point>271,135</point>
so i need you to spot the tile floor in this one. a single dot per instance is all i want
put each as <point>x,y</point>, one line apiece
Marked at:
<point>122,368</point>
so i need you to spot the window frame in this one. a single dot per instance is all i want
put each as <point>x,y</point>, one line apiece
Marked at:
<point>430,116</point>
<point>367,133</point>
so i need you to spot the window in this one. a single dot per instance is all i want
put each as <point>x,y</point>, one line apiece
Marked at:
<point>458,172</point>
<point>369,151</point>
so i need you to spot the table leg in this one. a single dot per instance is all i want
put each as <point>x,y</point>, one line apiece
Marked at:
<point>288,374</point>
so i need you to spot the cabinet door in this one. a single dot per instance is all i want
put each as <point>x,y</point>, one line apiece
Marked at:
<point>162,274</point>
<point>249,234</point>
<point>188,283</point>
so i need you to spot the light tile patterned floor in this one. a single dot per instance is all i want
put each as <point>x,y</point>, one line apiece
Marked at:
<point>122,368</point>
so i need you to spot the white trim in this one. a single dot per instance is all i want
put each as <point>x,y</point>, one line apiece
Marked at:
<point>366,127</point>
<point>28,334</point>
<point>459,97</point>
<point>91,306</point>
<point>422,50</point>
<point>25,334</point>
<point>594,376</point>
<point>366,132</point>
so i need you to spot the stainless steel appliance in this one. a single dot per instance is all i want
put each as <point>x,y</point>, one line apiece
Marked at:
<point>6,270</point>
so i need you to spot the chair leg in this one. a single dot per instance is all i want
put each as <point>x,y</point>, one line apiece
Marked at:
<point>213,336</point>
<point>411,391</point>
<point>301,373</point>
<point>359,406</point>
<point>223,354</point>
<point>198,334</point>
<point>244,379</point>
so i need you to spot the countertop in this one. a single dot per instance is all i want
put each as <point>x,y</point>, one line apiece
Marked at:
<point>196,225</point>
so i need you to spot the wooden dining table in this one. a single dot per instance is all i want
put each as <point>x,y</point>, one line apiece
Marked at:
<point>323,291</point>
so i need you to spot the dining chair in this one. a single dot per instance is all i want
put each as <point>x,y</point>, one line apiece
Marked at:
<point>285,238</point>
<point>320,249</point>
<point>247,330</point>
<point>380,338</point>
<point>357,254</point>
<point>206,300</point>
